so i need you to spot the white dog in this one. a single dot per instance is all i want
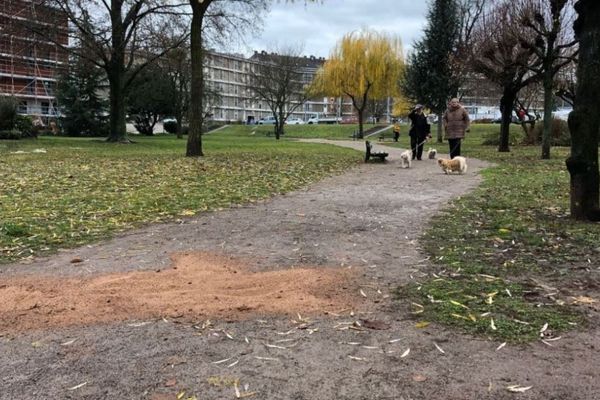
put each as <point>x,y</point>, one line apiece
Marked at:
<point>405,158</point>
<point>457,164</point>
<point>432,153</point>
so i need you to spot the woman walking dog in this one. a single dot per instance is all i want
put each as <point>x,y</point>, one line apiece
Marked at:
<point>456,123</point>
<point>420,130</point>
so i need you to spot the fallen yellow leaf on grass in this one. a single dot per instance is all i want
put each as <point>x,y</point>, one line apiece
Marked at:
<point>456,303</point>
<point>422,324</point>
<point>583,300</point>
<point>459,316</point>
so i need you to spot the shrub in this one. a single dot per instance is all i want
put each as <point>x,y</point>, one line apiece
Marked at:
<point>10,134</point>
<point>8,113</point>
<point>170,126</point>
<point>560,134</point>
<point>493,138</point>
<point>25,125</point>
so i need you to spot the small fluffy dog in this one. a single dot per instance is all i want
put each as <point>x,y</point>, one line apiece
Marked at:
<point>457,164</point>
<point>432,153</point>
<point>405,158</point>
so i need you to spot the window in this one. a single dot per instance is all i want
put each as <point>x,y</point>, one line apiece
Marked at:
<point>30,87</point>
<point>45,107</point>
<point>22,108</point>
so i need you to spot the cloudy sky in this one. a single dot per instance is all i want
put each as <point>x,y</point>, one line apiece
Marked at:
<point>317,27</point>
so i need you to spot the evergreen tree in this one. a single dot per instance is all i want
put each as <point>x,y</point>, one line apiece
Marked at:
<point>430,76</point>
<point>152,94</point>
<point>81,107</point>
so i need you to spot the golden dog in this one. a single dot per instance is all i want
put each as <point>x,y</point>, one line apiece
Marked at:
<point>457,164</point>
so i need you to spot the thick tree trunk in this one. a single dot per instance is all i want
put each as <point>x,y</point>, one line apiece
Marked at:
<point>506,107</point>
<point>118,130</point>
<point>440,128</point>
<point>584,121</point>
<point>115,72</point>
<point>194,142</point>
<point>548,107</point>
<point>278,127</point>
<point>361,116</point>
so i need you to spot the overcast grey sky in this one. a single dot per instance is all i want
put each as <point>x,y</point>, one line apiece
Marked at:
<point>317,27</point>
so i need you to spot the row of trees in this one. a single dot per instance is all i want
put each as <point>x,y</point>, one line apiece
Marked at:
<point>124,37</point>
<point>515,44</point>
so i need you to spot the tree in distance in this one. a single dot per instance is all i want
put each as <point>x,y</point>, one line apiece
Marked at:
<point>363,66</point>
<point>500,55</point>
<point>277,80</point>
<point>431,76</point>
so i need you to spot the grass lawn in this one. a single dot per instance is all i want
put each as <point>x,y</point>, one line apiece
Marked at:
<point>306,131</point>
<point>508,257</point>
<point>82,190</point>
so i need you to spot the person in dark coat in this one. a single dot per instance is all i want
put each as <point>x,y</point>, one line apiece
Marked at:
<point>420,130</point>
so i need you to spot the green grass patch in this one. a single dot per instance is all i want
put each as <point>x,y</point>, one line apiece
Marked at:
<point>82,190</point>
<point>515,227</point>
<point>325,131</point>
<point>490,307</point>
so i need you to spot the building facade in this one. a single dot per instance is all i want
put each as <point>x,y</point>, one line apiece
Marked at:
<point>30,55</point>
<point>230,75</point>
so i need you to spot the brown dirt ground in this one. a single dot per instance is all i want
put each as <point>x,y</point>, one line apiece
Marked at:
<point>362,227</point>
<point>196,286</point>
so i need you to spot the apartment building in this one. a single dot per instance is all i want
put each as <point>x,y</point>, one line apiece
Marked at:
<point>230,75</point>
<point>30,59</point>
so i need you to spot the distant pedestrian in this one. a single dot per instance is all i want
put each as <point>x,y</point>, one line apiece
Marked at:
<point>420,130</point>
<point>456,123</point>
<point>396,131</point>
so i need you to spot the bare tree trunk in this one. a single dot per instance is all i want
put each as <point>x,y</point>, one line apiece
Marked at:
<point>194,142</point>
<point>278,128</point>
<point>118,130</point>
<point>584,121</point>
<point>440,128</point>
<point>361,116</point>
<point>116,76</point>
<point>506,107</point>
<point>548,106</point>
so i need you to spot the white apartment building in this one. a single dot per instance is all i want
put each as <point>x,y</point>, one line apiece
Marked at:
<point>229,75</point>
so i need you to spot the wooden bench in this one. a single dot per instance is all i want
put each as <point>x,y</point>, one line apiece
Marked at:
<point>371,154</point>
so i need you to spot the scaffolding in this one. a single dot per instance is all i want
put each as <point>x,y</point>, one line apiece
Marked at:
<point>29,63</point>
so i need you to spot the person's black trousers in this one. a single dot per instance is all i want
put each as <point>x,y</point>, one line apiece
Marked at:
<point>454,145</point>
<point>416,146</point>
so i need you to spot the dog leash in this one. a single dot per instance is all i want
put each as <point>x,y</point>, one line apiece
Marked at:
<point>418,145</point>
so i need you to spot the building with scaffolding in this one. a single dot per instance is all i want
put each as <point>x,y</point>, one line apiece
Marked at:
<point>31,58</point>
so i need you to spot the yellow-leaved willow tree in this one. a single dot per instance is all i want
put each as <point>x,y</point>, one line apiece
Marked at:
<point>402,106</point>
<point>364,65</point>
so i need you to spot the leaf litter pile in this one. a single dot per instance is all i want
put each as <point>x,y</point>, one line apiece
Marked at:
<point>80,191</point>
<point>196,286</point>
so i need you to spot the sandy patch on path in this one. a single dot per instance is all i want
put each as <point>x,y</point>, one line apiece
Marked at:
<point>196,286</point>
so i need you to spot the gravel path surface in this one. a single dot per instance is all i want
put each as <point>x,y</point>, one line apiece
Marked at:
<point>366,221</point>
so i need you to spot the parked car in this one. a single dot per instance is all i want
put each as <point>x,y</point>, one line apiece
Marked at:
<point>267,121</point>
<point>317,118</point>
<point>294,121</point>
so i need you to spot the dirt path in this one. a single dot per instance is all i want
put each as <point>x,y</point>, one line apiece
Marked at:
<point>289,298</point>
